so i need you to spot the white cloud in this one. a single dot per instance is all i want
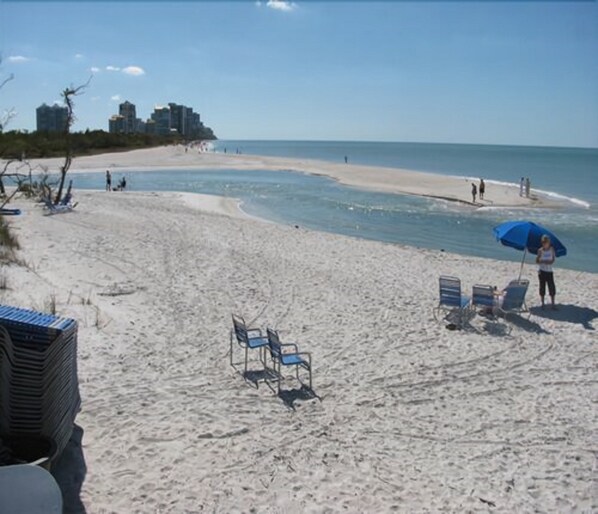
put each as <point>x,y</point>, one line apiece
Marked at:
<point>78,56</point>
<point>112,68</point>
<point>281,5</point>
<point>94,69</point>
<point>115,98</point>
<point>18,58</point>
<point>134,70</point>
<point>95,98</point>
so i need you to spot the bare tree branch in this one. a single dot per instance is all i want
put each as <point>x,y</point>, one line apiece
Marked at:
<point>7,79</point>
<point>68,94</point>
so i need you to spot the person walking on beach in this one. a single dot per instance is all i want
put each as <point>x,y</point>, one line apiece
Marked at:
<point>545,259</point>
<point>346,160</point>
<point>528,185</point>
<point>482,189</point>
<point>108,181</point>
<point>474,191</point>
<point>521,186</point>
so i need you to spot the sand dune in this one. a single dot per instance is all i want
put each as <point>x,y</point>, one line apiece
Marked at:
<point>390,180</point>
<point>411,417</point>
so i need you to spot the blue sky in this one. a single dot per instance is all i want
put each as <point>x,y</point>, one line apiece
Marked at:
<point>473,72</point>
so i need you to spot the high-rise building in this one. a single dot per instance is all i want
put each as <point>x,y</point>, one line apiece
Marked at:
<point>51,118</point>
<point>116,124</point>
<point>161,117</point>
<point>178,118</point>
<point>194,124</point>
<point>165,120</point>
<point>128,112</point>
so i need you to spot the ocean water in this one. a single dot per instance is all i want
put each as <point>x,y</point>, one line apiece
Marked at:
<point>320,203</point>
<point>572,172</point>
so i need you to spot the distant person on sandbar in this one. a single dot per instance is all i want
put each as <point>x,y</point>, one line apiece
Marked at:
<point>528,186</point>
<point>474,191</point>
<point>123,184</point>
<point>545,259</point>
<point>346,160</point>
<point>108,181</point>
<point>521,186</point>
<point>482,188</point>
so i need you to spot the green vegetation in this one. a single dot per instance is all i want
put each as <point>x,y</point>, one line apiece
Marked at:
<point>8,243</point>
<point>15,144</point>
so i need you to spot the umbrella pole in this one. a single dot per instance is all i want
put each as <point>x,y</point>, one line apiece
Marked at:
<point>522,263</point>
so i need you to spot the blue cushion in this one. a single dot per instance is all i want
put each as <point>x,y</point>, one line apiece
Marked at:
<point>292,358</point>
<point>256,342</point>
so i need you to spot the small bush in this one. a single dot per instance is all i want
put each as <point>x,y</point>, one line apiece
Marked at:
<point>7,238</point>
<point>51,305</point>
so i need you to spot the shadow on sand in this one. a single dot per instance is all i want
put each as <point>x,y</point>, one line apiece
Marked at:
<point>527,324</point>
<point>254,377</point>
<point>290,396</point>
<point>502,326</point>
<point>569,313</point>
<point>69,472</point>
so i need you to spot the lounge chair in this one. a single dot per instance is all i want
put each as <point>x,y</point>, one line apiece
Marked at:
<point>513,300</point>
<point>247,338</point>
<point>9,212</point>
<point>281,357</point>
<point>56,209</point>
<point>452,301</point>
<point>484,297</point>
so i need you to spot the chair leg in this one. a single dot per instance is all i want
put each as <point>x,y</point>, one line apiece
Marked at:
<point>246,350</point>
<point>279,377</point>
<point>231,348</point>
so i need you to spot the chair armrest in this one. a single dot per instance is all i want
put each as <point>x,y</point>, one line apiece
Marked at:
<point>307,354</point>
<point>254,332</point>
<point>291,345</point>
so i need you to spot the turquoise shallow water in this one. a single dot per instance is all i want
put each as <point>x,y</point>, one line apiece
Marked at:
<point>572,172</point>
<point>322,204</point>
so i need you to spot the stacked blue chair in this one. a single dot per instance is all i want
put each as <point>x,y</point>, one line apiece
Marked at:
<point>39,388</point>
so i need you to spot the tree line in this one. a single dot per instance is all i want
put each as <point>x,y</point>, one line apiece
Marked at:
<point>17,144</point>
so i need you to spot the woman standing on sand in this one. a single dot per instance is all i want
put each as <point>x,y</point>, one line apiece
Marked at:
<point>545,259</point>
<point>108,181</point>
<point>474,191</point>
<point>482,189</point>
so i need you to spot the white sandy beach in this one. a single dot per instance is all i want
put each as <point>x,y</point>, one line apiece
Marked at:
<point>411,418</point>
<point>389,180</point>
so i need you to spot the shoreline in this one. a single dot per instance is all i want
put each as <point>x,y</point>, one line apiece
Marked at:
<point>373,178</point>
<point>152,283</point>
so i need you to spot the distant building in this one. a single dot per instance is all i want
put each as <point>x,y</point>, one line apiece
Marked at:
<point>51,118</point>
<point>178,118</point>
<point>117,124</point>
<point>172,119</point>
<point>150,127</point>
<point>128,112</point>
<point>161,117</point>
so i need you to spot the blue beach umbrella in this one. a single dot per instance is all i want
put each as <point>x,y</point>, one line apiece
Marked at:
<point>526,236</point>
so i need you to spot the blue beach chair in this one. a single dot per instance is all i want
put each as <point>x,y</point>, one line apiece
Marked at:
<point>248,339</point>
<point>514,298</point>
<point>483,297</point>
<point>281,357</point>
<point>452,302</point>
<point>56,209</point>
